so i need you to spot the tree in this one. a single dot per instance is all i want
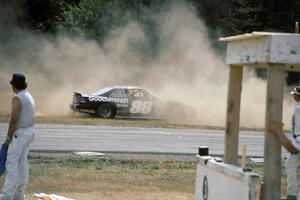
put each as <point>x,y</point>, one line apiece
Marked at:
<point>42,16</point>
<point>96,19</point>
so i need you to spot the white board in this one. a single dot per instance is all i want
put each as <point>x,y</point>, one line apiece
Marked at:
<point>220,181</point>
<point>259,49</point>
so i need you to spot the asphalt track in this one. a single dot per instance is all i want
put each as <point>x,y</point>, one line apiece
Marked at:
<point>117,139</point>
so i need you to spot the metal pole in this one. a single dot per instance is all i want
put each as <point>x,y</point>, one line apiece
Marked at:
<point>297,27</point>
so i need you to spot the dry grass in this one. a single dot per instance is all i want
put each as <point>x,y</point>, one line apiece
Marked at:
<point>130,195</point>
<point>112,178</point>
<point>133,122</point>
<point>108,178</point>
<point>119,122</point>
<point>87,120</point>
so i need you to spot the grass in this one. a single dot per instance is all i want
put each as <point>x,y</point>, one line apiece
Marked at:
<point>87,120</point>
<point>109,178</point>
<point>113,178</point>
<point>132,122</point>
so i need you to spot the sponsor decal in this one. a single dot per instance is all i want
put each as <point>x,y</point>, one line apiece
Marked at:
<point>205,188</point>
<point>122,105</point>
<point>108,99</point>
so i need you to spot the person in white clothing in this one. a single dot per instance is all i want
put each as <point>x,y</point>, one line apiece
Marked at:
<point>293,146</point>
<point>19,135</point>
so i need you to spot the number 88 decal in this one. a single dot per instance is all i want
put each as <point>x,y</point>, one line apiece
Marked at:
<point>143,107</point>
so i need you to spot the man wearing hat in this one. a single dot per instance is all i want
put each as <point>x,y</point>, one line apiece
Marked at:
<point>19,135</point>
<point>293,146</point>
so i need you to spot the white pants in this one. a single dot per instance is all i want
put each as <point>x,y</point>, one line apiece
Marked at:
<point>17,165</point>
<point>291,172</point>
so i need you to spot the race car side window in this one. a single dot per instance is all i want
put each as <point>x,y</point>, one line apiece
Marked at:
<point>147,95</point>
<point>142,95</point>
<point>138,93</point>
<point>116,94</point>
<point>128,93</point>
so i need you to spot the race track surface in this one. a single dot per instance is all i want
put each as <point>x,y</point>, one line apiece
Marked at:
<point>53,137</point>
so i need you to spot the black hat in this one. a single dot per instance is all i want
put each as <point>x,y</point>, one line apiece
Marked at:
<point>18,79</point>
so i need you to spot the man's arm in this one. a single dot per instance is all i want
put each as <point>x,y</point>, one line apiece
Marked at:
<point>277,130</point>
<point>15,114</point>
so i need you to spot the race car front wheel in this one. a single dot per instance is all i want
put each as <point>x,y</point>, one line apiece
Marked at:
<point>106,110</point>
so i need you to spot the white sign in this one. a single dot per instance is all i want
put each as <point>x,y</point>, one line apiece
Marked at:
<point>219,181</point>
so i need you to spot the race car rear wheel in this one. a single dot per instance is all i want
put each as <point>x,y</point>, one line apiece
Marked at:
<point>106,110</point>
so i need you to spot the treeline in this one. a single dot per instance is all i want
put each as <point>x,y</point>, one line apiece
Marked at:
<point>96,18</point>
<point>229,17</point>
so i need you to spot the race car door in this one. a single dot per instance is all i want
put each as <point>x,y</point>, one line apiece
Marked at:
<point>140,102</point>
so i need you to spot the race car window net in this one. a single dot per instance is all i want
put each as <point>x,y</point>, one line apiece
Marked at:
<point>117,94</point>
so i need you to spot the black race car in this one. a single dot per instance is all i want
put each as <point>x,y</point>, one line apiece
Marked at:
<point>124,101</point>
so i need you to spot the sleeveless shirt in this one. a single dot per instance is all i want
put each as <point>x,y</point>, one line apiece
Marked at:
<point>27,113</point>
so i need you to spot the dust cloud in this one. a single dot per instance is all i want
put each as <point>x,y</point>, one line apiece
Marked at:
<point>186,69</point>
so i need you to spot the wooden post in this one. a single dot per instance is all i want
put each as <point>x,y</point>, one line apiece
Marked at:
<point>233,114</point>
<point>272,152</point>
<point>243,158</point>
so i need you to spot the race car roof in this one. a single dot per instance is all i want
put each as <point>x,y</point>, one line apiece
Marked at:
<point>106,89</point>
